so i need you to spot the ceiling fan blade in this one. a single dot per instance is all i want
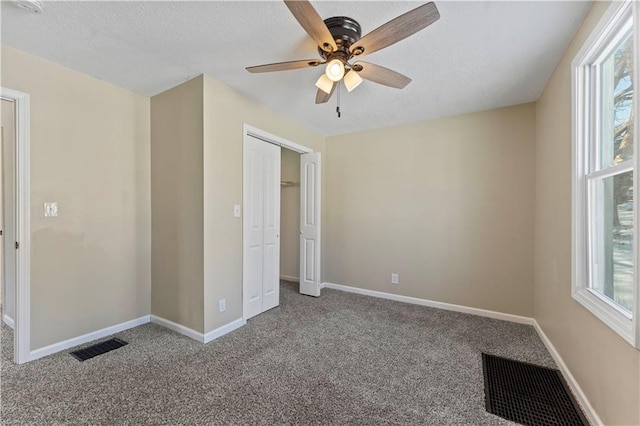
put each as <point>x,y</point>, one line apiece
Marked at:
<point>381,75</point>
<point>312,24</point>
<point>322,96</point>
<point>283,66</point>
<point>397,29</point>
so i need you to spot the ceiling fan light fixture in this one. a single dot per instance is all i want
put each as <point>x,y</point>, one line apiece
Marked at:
<point>352,80</point>
<point>335,70</point>
<point>339,39</point>
<point>325,84</point>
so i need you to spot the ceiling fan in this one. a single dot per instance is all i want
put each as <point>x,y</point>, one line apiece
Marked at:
<point>339,41</point>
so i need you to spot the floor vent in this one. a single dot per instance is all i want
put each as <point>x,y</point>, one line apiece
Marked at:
<point>528,394</point>
<point>98,349</point>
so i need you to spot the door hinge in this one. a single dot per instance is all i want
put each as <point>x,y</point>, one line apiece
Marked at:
<point>1,232</point>
<point>17,245</point>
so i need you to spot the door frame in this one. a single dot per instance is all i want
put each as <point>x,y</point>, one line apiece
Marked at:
<point>22,320</point>
<point>250,131</point>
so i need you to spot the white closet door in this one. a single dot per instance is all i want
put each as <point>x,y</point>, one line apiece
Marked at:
<point>310,224</point>
<point>261,226</point>
<point>271,262</point>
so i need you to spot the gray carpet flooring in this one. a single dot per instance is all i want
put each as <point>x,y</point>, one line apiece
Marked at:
<point>338,359</point>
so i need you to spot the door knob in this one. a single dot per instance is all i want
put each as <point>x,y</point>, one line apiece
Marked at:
<point>301,232</point>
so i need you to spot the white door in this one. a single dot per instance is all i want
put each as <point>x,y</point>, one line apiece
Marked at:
<point>310,224</point>
<point>261,226</point>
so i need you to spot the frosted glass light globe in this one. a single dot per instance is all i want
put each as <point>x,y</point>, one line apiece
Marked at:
<point>335,70</point>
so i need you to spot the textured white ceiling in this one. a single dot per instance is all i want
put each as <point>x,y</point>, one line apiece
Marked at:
<point>479,55</point>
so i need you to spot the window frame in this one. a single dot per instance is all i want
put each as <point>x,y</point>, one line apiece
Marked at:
<point>586,169</point>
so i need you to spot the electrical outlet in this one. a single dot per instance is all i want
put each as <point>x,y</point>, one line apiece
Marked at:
<point>394,278</point>
<point>222,305</point>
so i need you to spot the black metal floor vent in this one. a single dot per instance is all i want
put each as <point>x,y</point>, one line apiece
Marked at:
<point>98,349</point>
<point>528,394</point>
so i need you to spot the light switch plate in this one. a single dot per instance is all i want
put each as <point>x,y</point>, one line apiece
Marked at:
<point>51,209</point>
<point>236,210</point>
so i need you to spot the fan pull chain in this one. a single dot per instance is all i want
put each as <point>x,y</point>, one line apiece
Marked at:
<point>338,106</point>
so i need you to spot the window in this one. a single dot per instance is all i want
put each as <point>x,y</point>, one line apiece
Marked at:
<point>605,181</point>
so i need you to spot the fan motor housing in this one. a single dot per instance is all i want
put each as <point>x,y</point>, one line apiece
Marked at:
<point>345,32</point>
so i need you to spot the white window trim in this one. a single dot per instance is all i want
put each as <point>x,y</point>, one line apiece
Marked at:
<point>618,319</point>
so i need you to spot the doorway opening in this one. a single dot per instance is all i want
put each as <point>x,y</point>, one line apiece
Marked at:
<point>17,246</point>
<point>290,216</point>
<point>263,232</point>
<point>7,209</point>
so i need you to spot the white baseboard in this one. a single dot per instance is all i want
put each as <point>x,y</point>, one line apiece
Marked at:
<point>433,304</point>
<point>85,338</point>
<point>575,387</point>
<point>290,278</point>
<point>196,335</point>
<point>221,331</point>
<point>178,328</point>
<point>8,320</point>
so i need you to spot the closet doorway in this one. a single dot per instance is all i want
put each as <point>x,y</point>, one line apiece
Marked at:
<point>261,220</point>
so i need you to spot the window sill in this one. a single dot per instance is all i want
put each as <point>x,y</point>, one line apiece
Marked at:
<point>613,316</point>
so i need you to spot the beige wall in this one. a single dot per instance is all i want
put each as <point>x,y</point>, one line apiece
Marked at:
<point>177,130</point>
<point>225,112</point>
<point>607,368</point>
<point>196,178</point>
<point>90,267</point>
<point>447,204</point>
<point>290,215</point>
